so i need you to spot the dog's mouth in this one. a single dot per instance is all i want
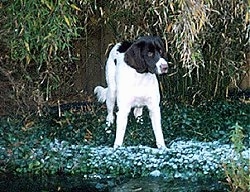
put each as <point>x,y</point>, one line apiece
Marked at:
<point>161,66</point>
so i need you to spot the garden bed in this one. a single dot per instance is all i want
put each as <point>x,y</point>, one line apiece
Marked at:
<point>183,159</point>
<point>198,144</point>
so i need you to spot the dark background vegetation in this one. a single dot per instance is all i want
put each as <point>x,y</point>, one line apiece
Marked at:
<point>53,52</point>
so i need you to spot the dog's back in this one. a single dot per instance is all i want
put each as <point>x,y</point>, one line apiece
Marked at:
<point>110,71</point>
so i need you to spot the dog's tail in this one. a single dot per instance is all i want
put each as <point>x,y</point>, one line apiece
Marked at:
<point>101,93</point>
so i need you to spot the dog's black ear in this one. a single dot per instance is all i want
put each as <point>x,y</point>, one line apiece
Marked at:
<point>159,43</point>
<point>133,57</point>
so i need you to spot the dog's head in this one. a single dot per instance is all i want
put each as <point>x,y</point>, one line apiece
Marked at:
<point>147,55</point>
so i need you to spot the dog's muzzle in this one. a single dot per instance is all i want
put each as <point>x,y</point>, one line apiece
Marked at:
<point>161,66</point>
<point>164,68</point>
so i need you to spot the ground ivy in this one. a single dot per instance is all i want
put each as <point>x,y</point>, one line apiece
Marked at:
<point>80,142</point>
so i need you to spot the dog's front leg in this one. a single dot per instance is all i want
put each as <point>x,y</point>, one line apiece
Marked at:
<point>121,123</point>
<point>155,116</point>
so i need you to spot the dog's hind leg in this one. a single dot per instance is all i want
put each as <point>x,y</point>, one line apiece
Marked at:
<point>111,92</point>
<point>110,102</point>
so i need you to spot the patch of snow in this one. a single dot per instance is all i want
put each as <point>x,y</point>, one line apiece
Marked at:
<point>183,159</point>
<point>155,173</point>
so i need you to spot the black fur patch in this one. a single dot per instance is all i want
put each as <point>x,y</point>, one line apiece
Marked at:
<point>144,53</point>
<point>124,46</point>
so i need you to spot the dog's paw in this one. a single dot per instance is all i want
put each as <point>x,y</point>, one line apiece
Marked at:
<point>161,146</point>
<point>116,146</point>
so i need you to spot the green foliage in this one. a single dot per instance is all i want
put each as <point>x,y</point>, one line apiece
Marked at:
<point>237,137</point>
<point>237,171</point>
<point>178,22</point>
<point>206,48</point>
<point>53,144</point>
<point>206,122</point>
<point>39,36</point>
<point>39,30</point>
<point>206,43</point>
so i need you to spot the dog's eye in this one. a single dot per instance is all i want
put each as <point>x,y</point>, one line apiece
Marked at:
<point>150,54</point>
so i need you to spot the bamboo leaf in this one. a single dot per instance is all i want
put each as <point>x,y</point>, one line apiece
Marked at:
<point>26,44</point>
<point>67,20</point>
<point>171,6</point>
<point>28,59</point>
<point>47,4</point>
<point>48,36</point>
<point>75,7</point>
<point>247,19</point>
<point>169,27</point>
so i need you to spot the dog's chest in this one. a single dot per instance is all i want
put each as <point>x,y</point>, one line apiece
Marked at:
<point>139,96</point>
<point>137,89</point>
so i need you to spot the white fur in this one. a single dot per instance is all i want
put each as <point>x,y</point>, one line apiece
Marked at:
<point>130,89</point>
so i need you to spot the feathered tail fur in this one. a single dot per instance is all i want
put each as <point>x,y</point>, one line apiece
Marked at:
<point>101,93</point>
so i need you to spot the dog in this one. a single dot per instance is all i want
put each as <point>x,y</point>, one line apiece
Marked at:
<point>131,70</point>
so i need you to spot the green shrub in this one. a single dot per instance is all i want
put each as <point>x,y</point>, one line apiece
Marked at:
<point>206,42</point>
<point>237,171</point>
<point>38,36</point>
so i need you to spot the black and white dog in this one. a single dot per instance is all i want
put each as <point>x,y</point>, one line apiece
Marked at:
<point>131,70</point>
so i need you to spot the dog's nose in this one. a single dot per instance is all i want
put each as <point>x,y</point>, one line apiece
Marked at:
<point>164,67</point>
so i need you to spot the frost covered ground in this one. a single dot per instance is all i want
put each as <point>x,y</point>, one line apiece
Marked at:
<point>182,159</point>
<point>76,144</point>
